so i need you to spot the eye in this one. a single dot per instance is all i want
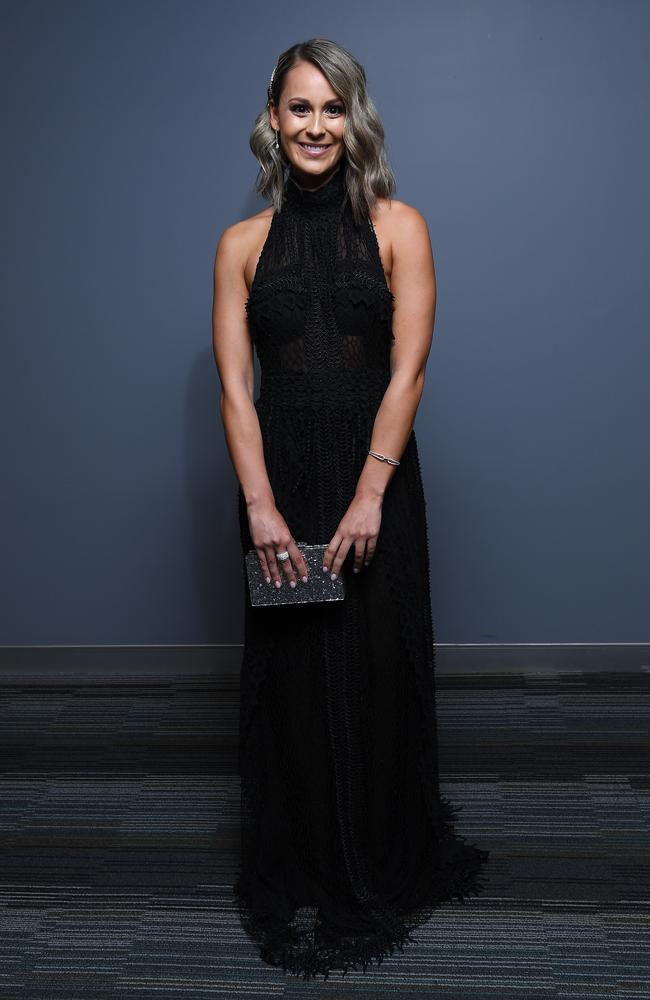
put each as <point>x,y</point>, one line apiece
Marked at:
<point>299,108</point>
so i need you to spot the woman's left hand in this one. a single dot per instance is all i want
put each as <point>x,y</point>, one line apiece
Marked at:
<point>359,526</point>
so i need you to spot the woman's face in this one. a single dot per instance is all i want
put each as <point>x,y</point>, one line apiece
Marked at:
<point>309,113</point>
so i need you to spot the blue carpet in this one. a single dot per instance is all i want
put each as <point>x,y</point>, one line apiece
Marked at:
<point>119,838</point>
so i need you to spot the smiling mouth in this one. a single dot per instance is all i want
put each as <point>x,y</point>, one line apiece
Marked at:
<point>315,146</point>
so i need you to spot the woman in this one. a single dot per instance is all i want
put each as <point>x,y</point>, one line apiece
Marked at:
<point>347,844</point>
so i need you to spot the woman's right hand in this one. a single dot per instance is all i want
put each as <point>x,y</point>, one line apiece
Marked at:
<point>270,534</point>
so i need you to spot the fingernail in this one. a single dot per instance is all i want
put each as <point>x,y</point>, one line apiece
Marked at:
<point>278,583</point>
<point>268,579</point>
<point>292,583</point>
<point>325,568</point>
<point>356,569</point>
<point>333,576</point>
<point>304,579</point>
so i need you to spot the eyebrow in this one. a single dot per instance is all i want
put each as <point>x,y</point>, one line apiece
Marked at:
<point>304,100</point>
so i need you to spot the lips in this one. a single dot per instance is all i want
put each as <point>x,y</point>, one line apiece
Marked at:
<point>314,148</point>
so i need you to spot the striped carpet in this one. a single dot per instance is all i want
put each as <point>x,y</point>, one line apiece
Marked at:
<point>119,831</point>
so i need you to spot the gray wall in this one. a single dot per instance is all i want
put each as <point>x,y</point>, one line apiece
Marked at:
<point>519,129</point>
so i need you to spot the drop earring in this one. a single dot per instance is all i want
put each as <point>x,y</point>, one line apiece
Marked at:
<point>277,144</point>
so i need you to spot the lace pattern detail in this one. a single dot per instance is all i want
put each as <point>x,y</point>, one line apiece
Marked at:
<point>346,842</point>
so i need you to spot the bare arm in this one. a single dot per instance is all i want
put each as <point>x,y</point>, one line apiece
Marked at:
<point>233,354</point>
<point>413,283</point>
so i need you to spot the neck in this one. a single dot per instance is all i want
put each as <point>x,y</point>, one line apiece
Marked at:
<point>327,196</point>
<point>313,187</point>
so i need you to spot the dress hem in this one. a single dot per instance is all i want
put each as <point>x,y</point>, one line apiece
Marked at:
<point>319,951</point>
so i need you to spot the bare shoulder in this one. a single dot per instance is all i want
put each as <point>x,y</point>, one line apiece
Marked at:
<point>399,219</point>
<point>399,227</point>
<point>240,244</point>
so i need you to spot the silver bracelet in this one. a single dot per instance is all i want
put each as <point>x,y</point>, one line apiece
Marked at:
<point>383,458</point>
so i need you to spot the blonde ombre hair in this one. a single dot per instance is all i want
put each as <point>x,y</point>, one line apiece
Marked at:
<point>368,174</point>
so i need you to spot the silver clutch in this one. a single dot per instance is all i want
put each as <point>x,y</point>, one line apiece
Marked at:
<point>319,586</point>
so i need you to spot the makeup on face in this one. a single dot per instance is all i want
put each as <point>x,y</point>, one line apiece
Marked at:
<point>312,128</point>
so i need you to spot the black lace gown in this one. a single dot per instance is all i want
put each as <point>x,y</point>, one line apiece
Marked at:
<point>346,843</point>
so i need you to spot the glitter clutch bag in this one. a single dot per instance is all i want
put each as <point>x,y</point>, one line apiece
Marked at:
<point>319,586</point>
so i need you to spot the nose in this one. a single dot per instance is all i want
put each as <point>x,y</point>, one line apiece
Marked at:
<point>315,129</point>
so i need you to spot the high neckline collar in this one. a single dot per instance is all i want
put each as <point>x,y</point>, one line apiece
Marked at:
<point>328,195</point>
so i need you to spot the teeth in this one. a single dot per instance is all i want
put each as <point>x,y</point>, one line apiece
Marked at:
<point>307,146</point>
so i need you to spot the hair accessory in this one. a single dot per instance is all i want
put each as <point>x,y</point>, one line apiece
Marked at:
<point>383,458</point>
<point>270,87</point>
<point>268,105</point>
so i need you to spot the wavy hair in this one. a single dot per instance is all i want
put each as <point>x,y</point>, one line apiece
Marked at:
<point>368,175</point>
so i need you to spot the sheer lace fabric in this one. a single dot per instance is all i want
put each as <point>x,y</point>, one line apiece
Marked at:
<point>346,842</point>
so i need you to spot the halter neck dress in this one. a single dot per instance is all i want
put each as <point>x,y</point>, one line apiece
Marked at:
<point>347,844</point>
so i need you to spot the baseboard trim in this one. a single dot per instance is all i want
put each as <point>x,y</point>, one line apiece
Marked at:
<point>64,664</point>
